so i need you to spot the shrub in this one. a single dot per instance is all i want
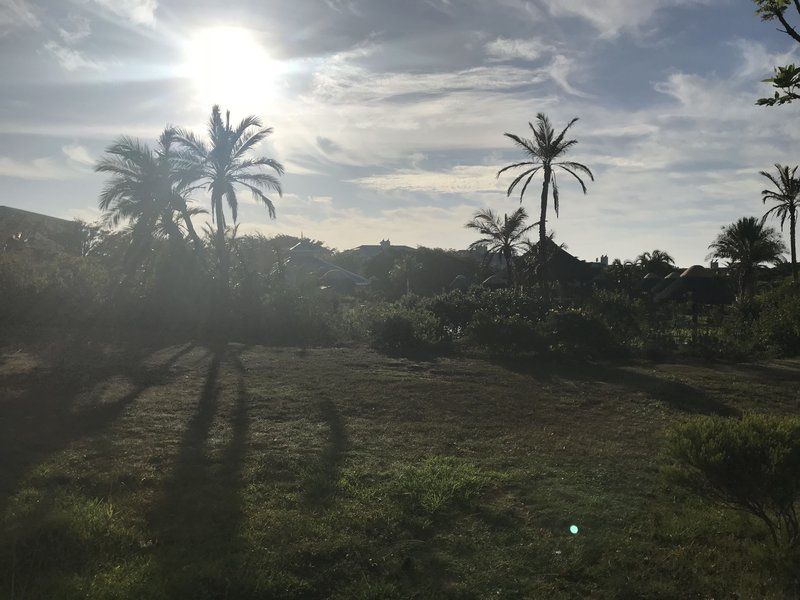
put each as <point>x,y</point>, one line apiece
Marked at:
<point>402,330</point>
<point>576,332</point>
<point>619,313</point>
<point>778,326</point>
<point>503,334</point>
<point>751,464</point>
<point>53,289</point>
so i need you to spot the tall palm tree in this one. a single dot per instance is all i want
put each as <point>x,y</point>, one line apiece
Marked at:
<point>502,237</point>
<point>746,245</point>
<point>146,190</point>
<point>224,164</point>
<point>657,261</point>
<point>786,193</point>
<point>544,153</point>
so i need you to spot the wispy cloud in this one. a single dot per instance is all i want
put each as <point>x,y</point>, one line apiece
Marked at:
<point>610,17</point>
<point>523,49</point>
<point>17,14</point>
<point>71,59</point>
<point>141,12</point>
<point>35,169</point>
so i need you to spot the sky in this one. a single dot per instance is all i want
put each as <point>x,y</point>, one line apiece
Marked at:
<point>389,116</point>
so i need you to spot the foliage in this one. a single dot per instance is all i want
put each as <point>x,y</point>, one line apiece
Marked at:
<point>785,196</point>
<point>746,245</point>
<point>658,262</point>
<point>778,325</point>
<point>621,315</point>
<point>544,152</point>
<point>401,329</point>
<point>51,290</point>
<point>501,237</point>
<point>575,332</point>
<point>750,464</point>
<point>504,335</point>
<point>787,78</point>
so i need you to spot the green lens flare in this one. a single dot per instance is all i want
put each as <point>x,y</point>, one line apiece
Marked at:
<point>573,529</point>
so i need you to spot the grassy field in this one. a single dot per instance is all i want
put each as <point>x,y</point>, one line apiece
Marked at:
<point>195,471</point>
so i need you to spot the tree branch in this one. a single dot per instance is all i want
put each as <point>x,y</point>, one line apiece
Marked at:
<point>788,28</point>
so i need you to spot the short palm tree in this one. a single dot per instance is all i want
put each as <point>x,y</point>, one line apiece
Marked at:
<point>146,190</point>
<point>746,245</point>
<point>544,153</point>
<point>657,262</point>
<point>785,195</point>
<point>504,237</point>
<point>224,164</point>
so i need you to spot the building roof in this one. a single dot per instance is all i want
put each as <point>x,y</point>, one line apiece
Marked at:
<point>40,230</point>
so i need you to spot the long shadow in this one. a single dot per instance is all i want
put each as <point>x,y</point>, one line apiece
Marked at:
<point>196,520</point>
<point>322,475</point>
<point>675,394</point>
<point>42,420</point>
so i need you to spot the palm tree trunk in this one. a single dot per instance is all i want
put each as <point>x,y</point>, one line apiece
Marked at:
<point>792,242</point>
<point>510,267</point>
<point>196,241</point>
<point>543,228</point>
<point>543,215</point>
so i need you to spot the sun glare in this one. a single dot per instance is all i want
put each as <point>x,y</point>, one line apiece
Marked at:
<point>228,66</point>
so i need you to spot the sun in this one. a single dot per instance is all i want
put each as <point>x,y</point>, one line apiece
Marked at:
<point>229,67</point>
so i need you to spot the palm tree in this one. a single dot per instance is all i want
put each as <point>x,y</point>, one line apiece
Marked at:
<point>787,190</point>
<point>146,190</point>
<point>657,262</point>
<point>225,164</point>
<point>503,237</point>
<point>544,153</point>
<point>746,245</point>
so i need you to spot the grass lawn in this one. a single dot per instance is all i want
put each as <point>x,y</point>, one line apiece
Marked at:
<point>192,471</point>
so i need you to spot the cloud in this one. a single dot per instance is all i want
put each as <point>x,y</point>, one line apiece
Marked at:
<point>17,14</point>
<point>71,59</point>
<point>327,145</point>
<point>456,180</point>
<point>75,29</point>
<point>510,49</point>
<point>610,17</point>
<point>35,169</point>
<point>141,12</point>
<point>78,154</point>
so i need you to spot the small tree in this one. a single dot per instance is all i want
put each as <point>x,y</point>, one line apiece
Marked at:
<point>750,464</point>
<point>786,79</point>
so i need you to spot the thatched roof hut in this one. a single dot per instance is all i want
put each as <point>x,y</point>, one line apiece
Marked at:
<point>697,283</point>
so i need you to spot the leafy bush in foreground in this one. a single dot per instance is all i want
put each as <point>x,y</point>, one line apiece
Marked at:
<point>402,330</point>
<point>576,332</point>
<point>751,465</point>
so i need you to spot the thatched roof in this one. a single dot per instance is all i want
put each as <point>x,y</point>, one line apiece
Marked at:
<point>698,284</point>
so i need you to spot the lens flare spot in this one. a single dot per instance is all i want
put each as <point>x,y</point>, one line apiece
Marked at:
<point>573,529</point>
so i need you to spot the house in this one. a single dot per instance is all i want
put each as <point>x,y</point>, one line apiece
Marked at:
<point>365,252</point>
<point>305,260</point>
<point>25,229</point>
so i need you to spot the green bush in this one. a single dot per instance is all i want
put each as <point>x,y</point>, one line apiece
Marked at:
<point>575,332</point>
<point>778,325</point>
<point>400,329</point>
<point>505,335</point>
<point>621,315</point>
<point>55,289</point>
<point>750,464</point>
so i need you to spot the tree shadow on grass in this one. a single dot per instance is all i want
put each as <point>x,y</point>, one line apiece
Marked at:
<point>43,419</point>
<point>322,475</point>
<point>196,522</point>
<point>675,394</point>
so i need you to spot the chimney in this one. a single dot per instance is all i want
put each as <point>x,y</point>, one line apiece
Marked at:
<point>604,260</point>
